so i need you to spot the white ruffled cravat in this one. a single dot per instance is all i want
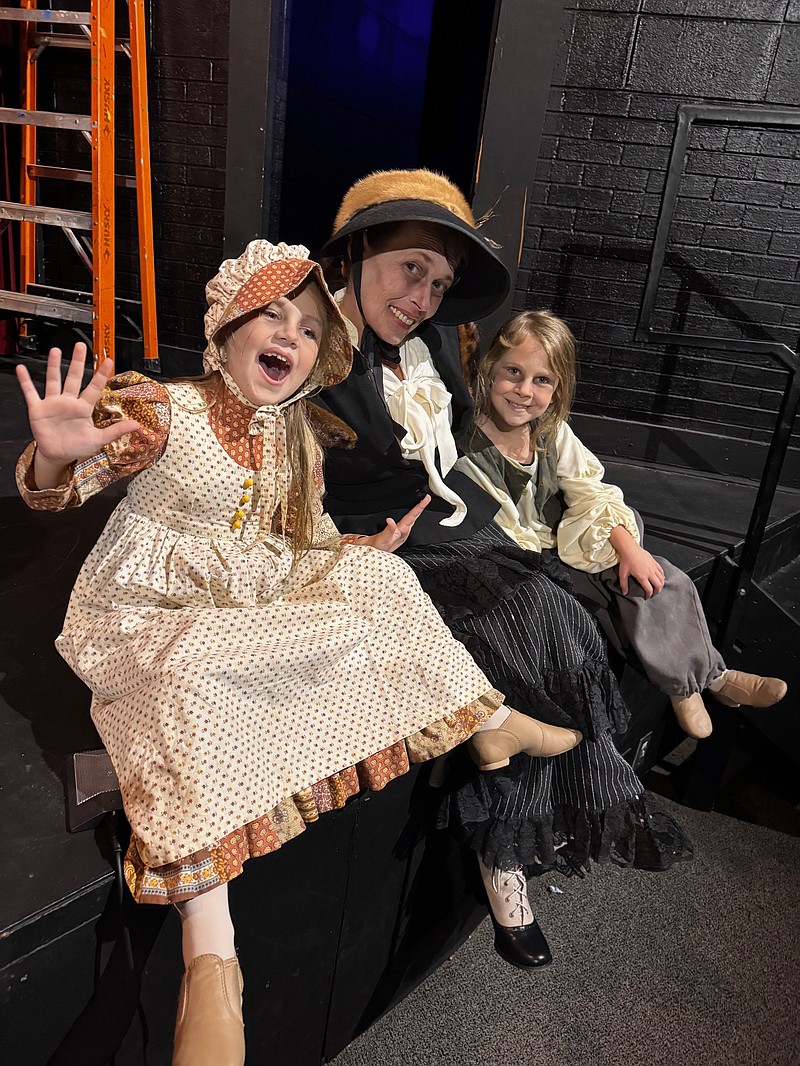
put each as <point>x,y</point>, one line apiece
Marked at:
<point>420,403</point>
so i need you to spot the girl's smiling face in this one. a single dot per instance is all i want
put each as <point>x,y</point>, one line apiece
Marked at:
<point>522,385</point>
<point>271,354</point>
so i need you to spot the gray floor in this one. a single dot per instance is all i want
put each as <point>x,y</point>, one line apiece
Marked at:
<point>695,966</point>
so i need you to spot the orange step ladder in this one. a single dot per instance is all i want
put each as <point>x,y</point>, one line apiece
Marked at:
<point>46,28</point>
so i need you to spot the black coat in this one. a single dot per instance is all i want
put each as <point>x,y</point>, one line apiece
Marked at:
<point>373,481</point>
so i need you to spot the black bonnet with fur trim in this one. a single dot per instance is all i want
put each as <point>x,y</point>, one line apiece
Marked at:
<point>425,196</point>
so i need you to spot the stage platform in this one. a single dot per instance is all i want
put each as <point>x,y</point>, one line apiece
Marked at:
<point>337,926</point>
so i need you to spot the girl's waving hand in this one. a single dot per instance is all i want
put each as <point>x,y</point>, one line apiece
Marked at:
<point>61,421</point>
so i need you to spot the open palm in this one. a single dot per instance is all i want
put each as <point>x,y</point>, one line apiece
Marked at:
<point>61,421</point>
<point>395,534</point>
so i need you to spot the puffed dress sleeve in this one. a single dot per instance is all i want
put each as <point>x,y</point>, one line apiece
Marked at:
<point>129,395</point>
<point>593,508</point>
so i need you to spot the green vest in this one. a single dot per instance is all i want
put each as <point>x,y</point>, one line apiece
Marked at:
<point>548,500</point>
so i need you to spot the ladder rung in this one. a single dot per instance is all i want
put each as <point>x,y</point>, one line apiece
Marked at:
<point>18,117</point>
<point>74,40</point>
<point>45,307</point>
<point>32,14</point>
<point>48,216</point>
<point>125,181</point>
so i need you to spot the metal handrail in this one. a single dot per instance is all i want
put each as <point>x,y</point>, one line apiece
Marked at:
<point>780,353</point>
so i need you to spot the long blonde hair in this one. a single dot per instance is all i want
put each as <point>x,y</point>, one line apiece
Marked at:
<point>559,344</point>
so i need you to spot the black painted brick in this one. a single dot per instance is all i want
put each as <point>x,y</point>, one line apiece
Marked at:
<point>687,233</point>
<point>786,292</point>
<point>784,84</point>
<point>723,164</point>
<point>772,219</point>
<point>631,131</point>
<point>744,139</point>
<point>759,10</point>
<point>635,202</point>
<point>553,217</point>
<point>596,102</point>
<point>786,169</point>
<point>695,56</point>
<point>598,222</point>
<point>205,177</point>
<point>717,214</point>
<point>580,196</point>
<point>608,177</point>
<point>193,154</point>
<point>763,266</point>
<point>598,50</point>
<point>184,112</point>
<point>748,192</point>
<point>647,156</point>
<point>589,151</point>
<point>651,105</point>
<point>784,244</point>
<point>566,125</point>
<point>705,138</point>
<point>741,240</point>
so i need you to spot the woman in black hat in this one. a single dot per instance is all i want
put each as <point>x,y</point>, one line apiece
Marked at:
<point>415,266</point>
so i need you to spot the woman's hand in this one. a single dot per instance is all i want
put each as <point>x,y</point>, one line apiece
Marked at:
<point>61,421</point>
<point>637,563</point>
<point>395,534</point>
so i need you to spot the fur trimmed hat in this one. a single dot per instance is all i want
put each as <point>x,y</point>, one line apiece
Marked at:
<point>424,196</point>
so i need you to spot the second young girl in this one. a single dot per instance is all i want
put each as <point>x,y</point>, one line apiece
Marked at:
<point>521,449</point>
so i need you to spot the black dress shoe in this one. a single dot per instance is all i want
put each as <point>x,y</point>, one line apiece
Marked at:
<point>521,945</point>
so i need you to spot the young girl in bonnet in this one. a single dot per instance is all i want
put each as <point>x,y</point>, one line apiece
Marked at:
<point>249,670</point>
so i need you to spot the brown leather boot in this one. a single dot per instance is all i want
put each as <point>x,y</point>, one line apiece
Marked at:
<point>491,749</point>
<point>749,690</point>
<point>693,718</point>
<point>209,1030</point>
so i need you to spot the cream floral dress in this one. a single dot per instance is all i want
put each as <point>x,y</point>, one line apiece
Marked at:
<point>239,697</point>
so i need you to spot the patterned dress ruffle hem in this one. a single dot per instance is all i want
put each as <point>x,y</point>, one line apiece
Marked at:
<point>514,612</point>
<point>179,881</point>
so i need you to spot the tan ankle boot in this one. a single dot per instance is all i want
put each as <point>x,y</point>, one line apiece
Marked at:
<point>209,1030</point>
<point>749,690</point>
<point>491,749</point>
<point>693,718</point>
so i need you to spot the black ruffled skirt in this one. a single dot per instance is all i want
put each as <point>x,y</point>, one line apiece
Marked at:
<point>515,612</point>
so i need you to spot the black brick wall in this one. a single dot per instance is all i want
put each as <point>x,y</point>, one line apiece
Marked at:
<point>623,68</point>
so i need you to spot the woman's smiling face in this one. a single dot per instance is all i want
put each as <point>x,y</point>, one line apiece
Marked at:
<point>272,353</point>
<point>403,280</point>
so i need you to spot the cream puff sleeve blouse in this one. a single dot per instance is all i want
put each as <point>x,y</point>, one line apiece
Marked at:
<point>593,508</point>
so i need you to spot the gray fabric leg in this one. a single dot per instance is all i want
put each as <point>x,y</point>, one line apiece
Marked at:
<point>667,633</point>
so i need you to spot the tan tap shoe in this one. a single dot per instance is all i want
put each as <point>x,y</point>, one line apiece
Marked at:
<point>749,690</point>
<point>209,1030</point>
<point>693,718</point>
<point>491,749</point>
